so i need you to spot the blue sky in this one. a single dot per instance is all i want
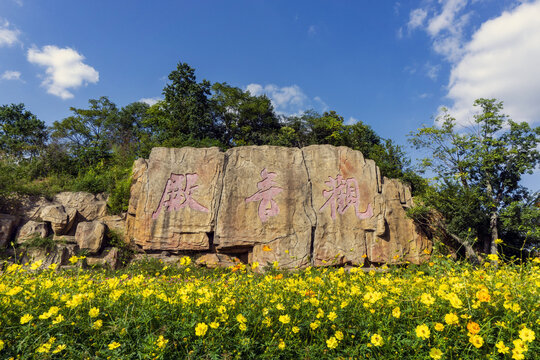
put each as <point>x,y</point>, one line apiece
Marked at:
<point>390,64</point>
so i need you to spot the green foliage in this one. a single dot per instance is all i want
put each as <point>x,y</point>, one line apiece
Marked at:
<point>22,134</point>
<point>125,251</point>
<point>39,242</point>
<point>478,173</point>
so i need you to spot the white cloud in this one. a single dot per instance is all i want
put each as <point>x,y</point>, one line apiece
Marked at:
<point>501,61</point>
<point>11,75</point>
<point>64,69</point>
<point>150,101</point>
<point>351,121</point>
<point>432,71</point>
<point>416,18</point>
<point>312,30</point>
<point>8,35</point>
<point>445,26</point>
<point>288,100</point>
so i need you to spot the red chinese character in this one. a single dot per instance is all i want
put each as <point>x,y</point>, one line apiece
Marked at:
<point>343,194</point>
<point>178,194</point>
<point>267,206</point>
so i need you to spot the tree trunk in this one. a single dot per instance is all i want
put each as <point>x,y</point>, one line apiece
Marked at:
<point>494,232</point>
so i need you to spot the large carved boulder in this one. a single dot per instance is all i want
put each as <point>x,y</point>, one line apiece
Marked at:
<point>174,197</point>
<point>265,206</point>
<point>90,235</point>
<point>360,216</point>
<point>90,207</point>
<point>60,217</point>
<point>32,229</point>
<point>8,223</point>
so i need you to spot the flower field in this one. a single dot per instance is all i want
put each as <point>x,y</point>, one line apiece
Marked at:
<point>440,310</point>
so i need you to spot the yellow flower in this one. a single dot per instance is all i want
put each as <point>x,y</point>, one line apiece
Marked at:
<point>214,325</point>
<point>435,353</point>
<point>161,342</point>
<point>332,316</point>
<point>53,266</point>
<point>254,265</point>
<point>339,335</point>
<point>396,312</point>
<point>201,329</point>
<point>97,324</point>
<point>94,312</point>
<point>1,344</point>
<point>281,344</point>
<point>266,248</point>
<point>240,318</point>
<point>242,327</point>
<point>451,319</point>
<point>501,348</point>
<point>36,265</point>
<point>527,335</point>
<point>26,318</point>
<point>498,241</point>
<point>113,345</point>
<point>493,257</point>
<point>377,340</point>
<point>58,319</point>
<point>439,327</point>
<point>476,340</point>
<point>422,331</point>
<point>295,329</point>
<point>332,343</point>
<point>314,325</point>
<point>280,307</point>
<point>483,295</point>
<point>285,319</point>
<point>427,299</point>
<point>185,261</point>
<point>73,259</point>
<point>59,348</point>
<point>473,327</point>
<point>455,301</point>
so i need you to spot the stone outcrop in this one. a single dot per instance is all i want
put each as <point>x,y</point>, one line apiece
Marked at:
<point>174,199</point>
<point>90,235</point>
<point>32,229</point>
<point>217,260</point>
<point>320,205</point>
<point>109,257</point>
<point>61,218</point>
<point>59,254</point>
<point>89,206</point>
<point>265,209</point>
<point>8,224</point>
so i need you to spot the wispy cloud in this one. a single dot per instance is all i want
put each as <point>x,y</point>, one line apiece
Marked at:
<point>150,101</point>
<point>64,69</point>
<point>432,71</point>
<point>11,75</point>
<point>8,35</point>
<point>288,100</point>
<point>312,30</point>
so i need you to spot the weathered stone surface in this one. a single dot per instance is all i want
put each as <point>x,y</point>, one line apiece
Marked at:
<point>265,206</point>
<point>115,222</point>
<point>89,206</point>
<point>65,239</point>
<point>8,224</point>
<point>109,257</point>
<point>359,215</point>
<point>90,235</point>
<point>217,260</point>
<point>32,229</point>
<point>60,217</point>
<point>59,254</point>
<point>174,197</point>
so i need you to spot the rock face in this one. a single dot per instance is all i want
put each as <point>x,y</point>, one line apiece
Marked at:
<point>174,199</point>
<point>89,206</point>
<point>7,227</point>
<point>90,235</point>
<point>360,216</point>
<point>32,229</point>
<point>265,208</point>
<point>320,205</point>
<point>59,254</point>
<point>60,217</point>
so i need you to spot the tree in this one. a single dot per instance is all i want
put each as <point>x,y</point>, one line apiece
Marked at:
<point>88,133</point>
<point>241,118</point>
<point>481,167</point>
<point>22,134</point>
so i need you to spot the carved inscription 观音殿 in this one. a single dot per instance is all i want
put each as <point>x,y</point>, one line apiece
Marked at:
<point>178,194</point>
<point>344,193</point>
<point>267,190</point>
